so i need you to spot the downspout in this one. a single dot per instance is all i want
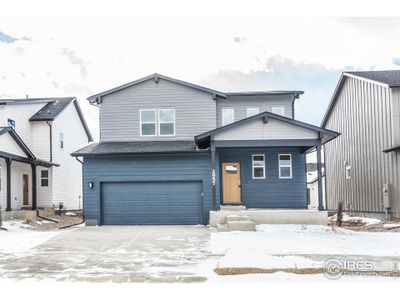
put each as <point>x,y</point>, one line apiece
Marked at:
<point>51,141</point>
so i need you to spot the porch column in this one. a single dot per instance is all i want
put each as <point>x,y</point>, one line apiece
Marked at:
<point>8,188</point>
<point>34,190</point>
<point>319,177</point>
<point>213,177</point>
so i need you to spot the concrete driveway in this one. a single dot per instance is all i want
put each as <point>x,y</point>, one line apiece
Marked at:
<point>117,254</point>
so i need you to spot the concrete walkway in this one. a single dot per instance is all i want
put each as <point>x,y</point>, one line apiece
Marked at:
<point>117,254</point>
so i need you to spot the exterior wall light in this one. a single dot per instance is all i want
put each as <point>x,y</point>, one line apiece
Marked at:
<point>91,184</point>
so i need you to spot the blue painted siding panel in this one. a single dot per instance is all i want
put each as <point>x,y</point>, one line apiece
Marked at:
<point>176,168</point>
<point>271,192</point>
<point>152,203</point>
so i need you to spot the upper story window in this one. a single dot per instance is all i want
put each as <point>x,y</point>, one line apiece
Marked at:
<point>279,110</point>
<point>61,137</point>
<point>285,166</point>
<point>251,111</point>
<point>258,166</point>
<point>228,116</point>
<point>11,123</point>
<point>148,122</point>
<point>159,122</point>
<point>166,122</point>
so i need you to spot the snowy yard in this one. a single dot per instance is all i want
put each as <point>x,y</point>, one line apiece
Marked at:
<point>188,253</point>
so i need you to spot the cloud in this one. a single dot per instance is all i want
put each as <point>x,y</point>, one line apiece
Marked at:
<point>317,81</point>
<point>5,38</point>
<point>75,60</point>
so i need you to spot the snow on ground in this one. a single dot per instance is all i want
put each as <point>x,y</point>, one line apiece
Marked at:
<point>285,246</point>
<point>350,219</point>
<point>391,226</point>
<point>18,238</point>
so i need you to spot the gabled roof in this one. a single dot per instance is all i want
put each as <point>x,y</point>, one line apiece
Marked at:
<point>155,76</point>
<point>25,148</point>
<point>132,148</point>
<point>97,97</point>
<point>53,107</point>
<point>265,115</point>
<point>389,78</point>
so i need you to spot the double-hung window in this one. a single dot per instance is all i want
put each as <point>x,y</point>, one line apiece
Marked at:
<point>166,122</point>
<point>258,166</point>
<point>251,111</point>
<point>44,178</point>
<point>278,110</point>
<point>228,116</point>
<point>159,122</point>
<point>285,166</point>
<point>148,122</point>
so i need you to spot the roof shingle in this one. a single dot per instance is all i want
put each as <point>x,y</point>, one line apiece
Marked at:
<point>389,77</point>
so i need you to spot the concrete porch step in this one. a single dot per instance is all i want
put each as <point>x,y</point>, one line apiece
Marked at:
<point>241,226</point>
<point>222,228</point>
<point>230,218</point>
<point>233,207</point>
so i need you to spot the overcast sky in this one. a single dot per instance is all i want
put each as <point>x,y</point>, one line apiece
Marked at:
<point>82,56</point>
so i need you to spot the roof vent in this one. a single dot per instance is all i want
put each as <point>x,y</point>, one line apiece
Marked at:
<point>27,97</point>
<point>49,112</point>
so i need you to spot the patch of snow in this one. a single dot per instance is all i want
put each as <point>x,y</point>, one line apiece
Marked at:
<point>42,222</point>
<point>18,239</point>
<point>365,221</point>
<point>70,213</point>
<point>390,226</point>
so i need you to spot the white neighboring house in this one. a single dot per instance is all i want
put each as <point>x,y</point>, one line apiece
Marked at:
<point>312,181</point>
<point>37,137</point>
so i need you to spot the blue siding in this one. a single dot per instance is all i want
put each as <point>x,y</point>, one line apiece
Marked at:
<point>192,168</point>
<point>271,192</point>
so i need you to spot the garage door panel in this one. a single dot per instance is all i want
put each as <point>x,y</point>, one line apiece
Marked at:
<point>140,203</point>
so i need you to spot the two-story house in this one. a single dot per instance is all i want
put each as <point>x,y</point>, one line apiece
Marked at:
<point>37,137</point>
<point>363,164</point>
<point>171,151</point>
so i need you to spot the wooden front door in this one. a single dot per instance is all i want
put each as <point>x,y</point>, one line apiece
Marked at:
<point>231,183</point>
<point>25,187</point>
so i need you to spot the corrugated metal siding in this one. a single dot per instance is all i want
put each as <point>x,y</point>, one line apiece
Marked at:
<point>195,111</point>
<point>144,168</point>
<point>264,103</point>
<point>271,192</point>
<point>362,115</point>
<point>273,130</point>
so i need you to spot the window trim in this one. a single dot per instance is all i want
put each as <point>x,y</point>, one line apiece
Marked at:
<point>247,111</point>
<point>155,122</point>
<point>61,139</point>
<point>278,107</point>
<point>48,179</point>
<point>253,166</point>
<point>279,166</point>
<point>159,122</point>
<point>222,115</point>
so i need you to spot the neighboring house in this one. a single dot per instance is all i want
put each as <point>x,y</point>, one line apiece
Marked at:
<point>363,164</point>
<point>171,151</point>
<point>37,137</point>
<point>312,185</point>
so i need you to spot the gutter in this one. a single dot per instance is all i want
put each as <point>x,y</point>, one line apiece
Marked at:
<point>51,140</point>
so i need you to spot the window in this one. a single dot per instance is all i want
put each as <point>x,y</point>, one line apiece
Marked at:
<point>252,111</point>
<point>148,121</point>
<point>227,116</point>
<point>44,178</point>
<point>61,140</point>
<point>348,172</point>
<point>166,122</point>
<point>11,123</point>
<point>258,166</point>
<point>279,110</point>
<point>285,166</point>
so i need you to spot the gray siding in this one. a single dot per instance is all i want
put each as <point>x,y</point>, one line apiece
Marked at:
<point>362,114</point>
<point>271,192</point>
<point>195,111</point>
<point>151,168</point>
<point>264,103</point>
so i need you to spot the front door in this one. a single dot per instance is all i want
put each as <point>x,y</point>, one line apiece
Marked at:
<point>25,187</point>
<point>231,183</point>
